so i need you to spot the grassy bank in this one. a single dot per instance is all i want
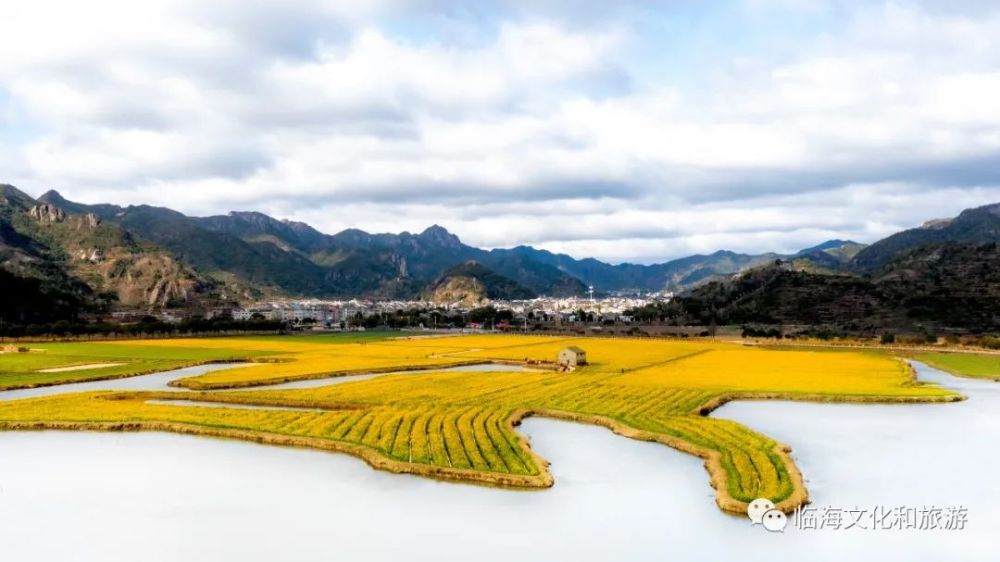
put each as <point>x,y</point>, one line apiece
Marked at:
<point>964,364</point>
<point>25,370</point>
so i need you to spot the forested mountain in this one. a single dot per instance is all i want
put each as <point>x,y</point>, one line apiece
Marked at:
<point>92,264</point>
<point>687,272</point>
<point>974,226</point>
<point>277,256</point>
<point>105,256</point>
<point>940,286</point>
<point>471,283</point>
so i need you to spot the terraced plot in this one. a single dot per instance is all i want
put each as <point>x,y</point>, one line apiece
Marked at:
<point>461,425</point>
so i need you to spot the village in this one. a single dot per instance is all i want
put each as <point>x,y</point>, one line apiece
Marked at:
<point>336,315</point>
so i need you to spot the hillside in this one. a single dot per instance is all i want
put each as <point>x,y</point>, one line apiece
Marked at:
<point>255,255</point>
<point>688,272</point>
<point>37,300</point>
<point>471,283</point>
<point>947,286</point>
<point>35,288</point>
<point>973,226</point>
<point>394,261</point>
<point>95,257</point>
<point>249,268</point>
<point>674,275</point>
<point>944,275</point>
<point>111,260</point>
<point>97,263</point>
<point>252,255</point>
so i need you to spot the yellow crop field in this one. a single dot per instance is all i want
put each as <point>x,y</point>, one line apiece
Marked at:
<point>302,359</point>
<point>351,359</point>
<point>462,425</point>
<point>605,354</point>
<point>757,369</point>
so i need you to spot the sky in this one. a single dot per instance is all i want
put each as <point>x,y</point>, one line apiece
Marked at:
<point>628,131</point>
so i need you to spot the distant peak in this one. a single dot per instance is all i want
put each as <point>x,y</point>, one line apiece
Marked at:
<point>440,234</point>
<point>828,245</point>
<point>836,242</point>
<point>51,196</point>
<point>935,224</point>
<point>435,230</point>
<point>722,253</point>
<point>353,235</point>
<point>248,215</point>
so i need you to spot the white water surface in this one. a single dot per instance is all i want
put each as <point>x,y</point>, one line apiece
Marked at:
<point>78,496</point>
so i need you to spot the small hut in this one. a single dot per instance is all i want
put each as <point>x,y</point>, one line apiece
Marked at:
<point>571,358</point>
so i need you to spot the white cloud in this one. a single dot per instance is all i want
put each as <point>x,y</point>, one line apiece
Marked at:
<point>528,128</point>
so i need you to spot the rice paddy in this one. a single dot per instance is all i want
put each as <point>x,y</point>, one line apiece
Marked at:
<point>462,425</point>
<point>52,363</point>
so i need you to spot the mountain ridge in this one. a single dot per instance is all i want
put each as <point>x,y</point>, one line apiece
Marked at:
<point>975,225</point>
<point>947,286</point>
<point>96,262</point>
<point>590,271</point>
<point>78,257</point>
<point>426,254</point>
<point>248,254</point>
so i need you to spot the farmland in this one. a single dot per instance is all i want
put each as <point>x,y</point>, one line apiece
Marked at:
<point>462,425</point>
<point>964,364</point>
<point>129,358</point>
<point>69,362</point>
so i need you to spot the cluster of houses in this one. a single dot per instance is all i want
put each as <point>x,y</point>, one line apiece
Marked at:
<point>332,314</point>
<point>557,310</point>
<point>299,312</point>
<point>578,309</point>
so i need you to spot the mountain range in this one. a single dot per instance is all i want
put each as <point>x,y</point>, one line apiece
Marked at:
<point>941,277</point>
<point>109,256</point>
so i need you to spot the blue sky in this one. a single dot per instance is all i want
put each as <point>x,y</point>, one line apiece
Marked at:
<point>628,131</point>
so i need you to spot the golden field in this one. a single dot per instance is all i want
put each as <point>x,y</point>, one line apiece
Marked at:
<point>462,425</point>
